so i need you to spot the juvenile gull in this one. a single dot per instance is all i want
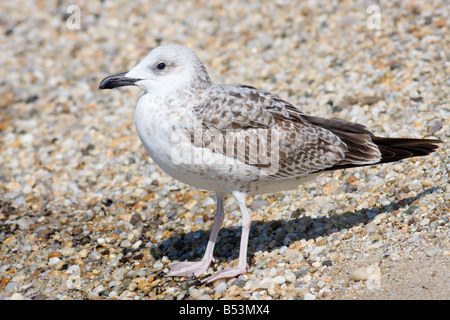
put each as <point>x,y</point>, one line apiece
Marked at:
<point>236,139</point>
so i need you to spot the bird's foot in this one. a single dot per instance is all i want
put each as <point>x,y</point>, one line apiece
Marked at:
<point>188,268</point>
<point>226,273</point>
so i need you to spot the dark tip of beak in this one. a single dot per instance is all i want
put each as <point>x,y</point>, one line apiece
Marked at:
<point>117,80</point>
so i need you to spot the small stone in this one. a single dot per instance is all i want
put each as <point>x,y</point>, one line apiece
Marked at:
<point>378,218</point>
<point>369,99</point>
<point>137,244</point>
<point>24,223</point>
<point>125,243</point>
<point>274,290</point>
<point>220,288</point>
<point>190,204</point>
<point>265,283</point>
<point>279,279</point>
<point>290,277</point>
<point>258,204</point>
<point>195,293</point>
<point>11,286</point>
<point>365,273</point>
<point>435,127</point>
<point>92,295</point>
<point>53,261</point>
<point>353,180</point>
<point>17,296</point>
<point>118,274</point>
<point>60,265</point>
<point>427,183</point>
<point>40,296</point>
<point>359,274</point>
<point>83,253</point>
<point>384,202</point>
<point>132,286</point>
<point>371,227</point>
<point>208,201</point>
<point>440,22</point>
<point>44,233</point>
<point>68,251</point>
<point>3,282</point>
<point>135,219</point>
<point>309,296</point>
<point>99,288</point>
<point>158,265</point>
<point>95,255</point>
<point>327,263</point>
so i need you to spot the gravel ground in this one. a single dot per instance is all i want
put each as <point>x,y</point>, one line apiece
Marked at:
<point>85,215</point>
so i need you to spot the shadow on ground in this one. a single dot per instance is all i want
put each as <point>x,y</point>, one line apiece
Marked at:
<point>270,235</point>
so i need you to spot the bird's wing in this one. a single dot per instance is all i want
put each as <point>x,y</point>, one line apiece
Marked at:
<point>256,123</point>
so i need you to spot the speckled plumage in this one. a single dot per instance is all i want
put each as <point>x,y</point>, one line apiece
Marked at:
<point>240,140</point>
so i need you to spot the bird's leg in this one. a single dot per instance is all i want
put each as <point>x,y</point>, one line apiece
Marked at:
<point>196,268</point>
<point>242,264</point>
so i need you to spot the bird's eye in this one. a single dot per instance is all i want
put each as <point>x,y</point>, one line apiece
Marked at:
<point>161,66</point>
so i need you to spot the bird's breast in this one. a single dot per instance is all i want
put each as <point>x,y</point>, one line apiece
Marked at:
<point>164,131</point>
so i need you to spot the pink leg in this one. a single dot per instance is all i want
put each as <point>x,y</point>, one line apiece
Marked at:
<point>196,268</point>
<point>242,264</point>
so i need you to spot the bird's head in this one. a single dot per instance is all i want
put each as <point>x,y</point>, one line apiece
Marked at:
<point>166,70</point>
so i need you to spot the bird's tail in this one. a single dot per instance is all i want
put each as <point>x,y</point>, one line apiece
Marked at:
<point>394,149</point>
<point>364,148</point>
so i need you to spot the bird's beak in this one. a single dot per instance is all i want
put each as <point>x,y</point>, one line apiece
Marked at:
<point>117,80</point>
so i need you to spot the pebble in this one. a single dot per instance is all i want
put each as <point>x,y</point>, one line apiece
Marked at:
<point>309,296</point>
<point>364,273</point>
<point>258,204</point>
<point>17,296</point>
<point>53,261</point>
<point>265,283</point>
<point>274,290</point>
<point>113,295</point>
<point>99,289</point>
<point>92,296</point>
<point>125,243</point>
<point>68,251</point>
<point>220,288</point>
<point>195,293</point>
<point>290,277</point>
<point>279,279</point>
<point>359,274</point>
<point>11,286</point>
<point>158,265</point>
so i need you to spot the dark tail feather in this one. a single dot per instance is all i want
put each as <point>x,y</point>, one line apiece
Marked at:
<point>362,144</point>
<point>395,149</point>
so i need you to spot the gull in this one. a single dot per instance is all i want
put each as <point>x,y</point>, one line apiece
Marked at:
<point>239,140</point>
